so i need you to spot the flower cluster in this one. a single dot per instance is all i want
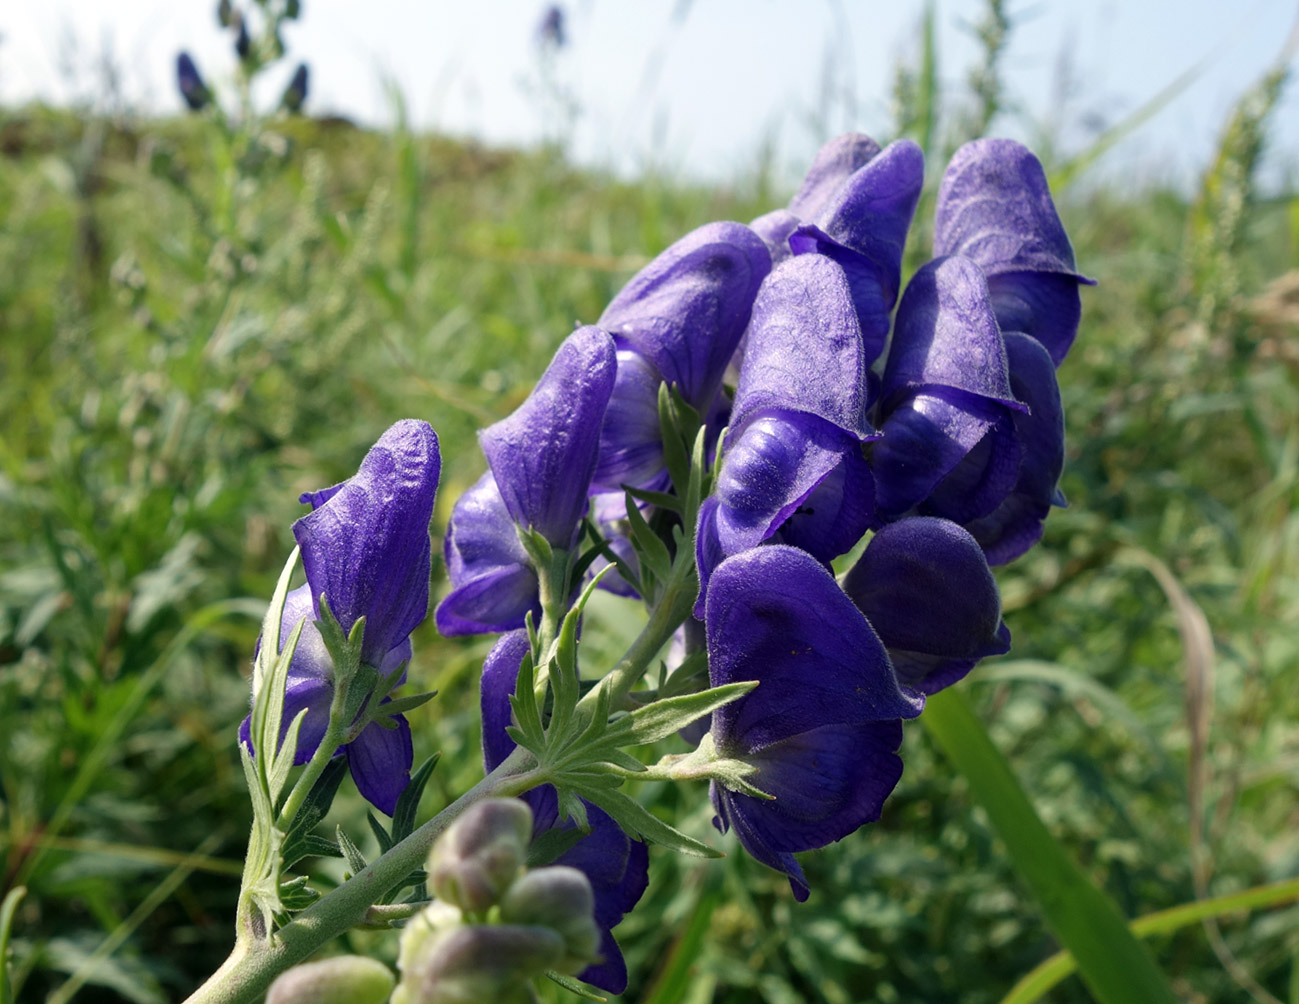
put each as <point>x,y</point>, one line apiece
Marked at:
<point>756,403</point>
<point>946,449</point>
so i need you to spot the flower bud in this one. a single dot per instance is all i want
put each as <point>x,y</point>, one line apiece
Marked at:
<point>474,964</point>
<point>560,899</point>
<point>347,979</point>
<point>480,855</point>
<point>243,43</point>
<point>225,13</point>
<point>190,84</point>
<point>296,93</point>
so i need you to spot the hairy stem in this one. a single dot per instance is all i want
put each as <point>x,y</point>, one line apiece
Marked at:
<point>255,963</point>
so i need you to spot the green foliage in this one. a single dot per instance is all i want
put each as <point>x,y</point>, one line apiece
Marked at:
<point>202,320</point>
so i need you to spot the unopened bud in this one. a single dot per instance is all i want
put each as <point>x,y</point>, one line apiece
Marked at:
<point>479,963</point>
<point>558,898</point>
<point>243,44</point>
<point>225,13</point>
<point>481,854</point>
<point>296,93</point>
<point>191,85</point>
<point>348,979</point>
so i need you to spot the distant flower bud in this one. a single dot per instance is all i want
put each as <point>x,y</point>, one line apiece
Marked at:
<point>348,979</point>
<point>243,44</point>
<point>191,85</point>
<point>296,93</point>
<point>293,10</point>
<point>479,963</point>
<point>225,13</point>
<point>558,898</point>
<point>481,854</point>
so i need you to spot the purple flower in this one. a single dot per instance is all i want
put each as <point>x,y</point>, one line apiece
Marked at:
<point>678,320</point>
<point>994,207</point>
<point>616,866</point>
<point>493,586</point>
<point>365,547</point>
<point>379,758</point>
<point>793,460</point>
<point>1016,524</point>
<point>825,722</point>
<point>949,446</point>
<point>925,586</point>
<point>855,206</point>
<point>190,84</point>
<point>296,93</point>
<point>542,456</point>
<point>365,550</point>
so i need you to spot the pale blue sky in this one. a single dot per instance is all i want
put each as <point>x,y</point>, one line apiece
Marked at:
<point>699,94</point>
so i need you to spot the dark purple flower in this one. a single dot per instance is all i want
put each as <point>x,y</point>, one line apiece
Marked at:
<point>493,586</point>
<point>296,93</point>
<point>855,207</point>
<point>678,320</point>
<point>925,586</point>
<point>616,866</point>
<point>544,454</point>
<point>551,31</point>
<point>365,547</point>
<point>949,446</point>
<point>365,550</point>
<point>191,85</point>
<point>1016,524</point>
<point>825,722</point>
<point>797,425</point>
<point>379,758</point>
<point>994,207</point>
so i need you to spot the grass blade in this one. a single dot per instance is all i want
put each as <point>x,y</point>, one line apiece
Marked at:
<point>1115,966</point>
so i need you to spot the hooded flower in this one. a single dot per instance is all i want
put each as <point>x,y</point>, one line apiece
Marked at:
<point>793,460</point>
<point>995,208</point>
<point>365,551</point>
<point>677,321</point>
<point>949,446</point>
<point>925,586</point>
<point>855,206</point>
<point>616,866</point>
<point>825,722</point>
<point>493,587</point>
<point>542,456</point>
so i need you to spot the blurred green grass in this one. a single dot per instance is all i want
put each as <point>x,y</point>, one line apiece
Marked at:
<point>199,322</point>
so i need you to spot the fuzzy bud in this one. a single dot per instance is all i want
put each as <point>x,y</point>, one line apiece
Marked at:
<point>558,898</point>
<point>481,854</point>
<point>347,979</point>
<point>478,963</point>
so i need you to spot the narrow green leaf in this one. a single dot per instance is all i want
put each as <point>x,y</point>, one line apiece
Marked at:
<point>297,895</point>
<point>574,987</point>
<point>318,801</point>
<point>674,453</point>
<point>664,717</point>
<point>271,622</point>
<point>7,912</point>
<point>380,834</point>
<point>310,845</point>
<point>653,553</point>
<point>691,668</point>
<point>355,859</point>
<point>637,821</point>
<point>1038,981</point>
<point>1115,966</point>
<point>400,705</point>
<point>545,849</point>
<point>403,817</point>
<point>526,712</point>
<point>282,762</point>
<point>661,500</point>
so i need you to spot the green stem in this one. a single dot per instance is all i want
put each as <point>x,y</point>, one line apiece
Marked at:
<point>675,605</point>
<point>255,962</point>
<point>7,911</point>
<point>1048,973</point>
<point>1115,966</point>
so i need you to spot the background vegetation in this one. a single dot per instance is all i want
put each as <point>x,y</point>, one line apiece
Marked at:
<point>201,318</point>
